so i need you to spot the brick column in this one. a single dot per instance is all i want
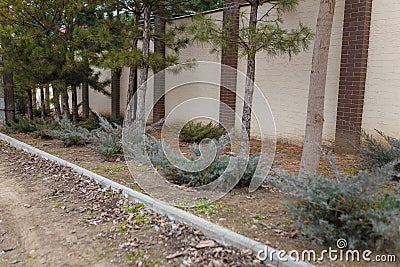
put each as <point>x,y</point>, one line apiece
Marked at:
<point>353,71</point>
<point>159,79</point>
<point>229,57</point>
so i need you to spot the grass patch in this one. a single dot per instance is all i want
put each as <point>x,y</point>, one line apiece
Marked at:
<point>116,168</point>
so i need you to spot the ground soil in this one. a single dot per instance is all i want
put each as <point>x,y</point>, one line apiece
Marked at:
<point>261,215</point>
<point>52,216</point>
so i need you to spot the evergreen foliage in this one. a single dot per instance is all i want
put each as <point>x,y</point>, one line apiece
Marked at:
<point>106,140</point>
<point>156,152</point>
<point>71,134</point>
<point>377,153</point>
<point>364,209</point>
<point>193,132</point>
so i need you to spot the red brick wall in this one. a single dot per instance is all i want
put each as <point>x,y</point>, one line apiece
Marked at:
<point>159,79</point>
<point>229,57</point>
<point>353,70</point>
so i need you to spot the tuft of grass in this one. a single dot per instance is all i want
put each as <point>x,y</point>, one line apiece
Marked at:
<point>140,257</point>
<point>122,227</point>
<point>228,210</point>
<point>58,205</point>
<point>116,168</point>
<point>260,217</point>
<point>141,218</point>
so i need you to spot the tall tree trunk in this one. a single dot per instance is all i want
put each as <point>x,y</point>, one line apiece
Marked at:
<point>29,104</point>
<point>42,104</point>
<point>315,110</point>
<point>133,70</point>
<point>85,100</point>
<point>144,71</point>
<point>116,93</point>
<point>2,107</point>
<point>74,98</point>
<point>8,79</point>
<point>132,89</point>
<point>65,103</point>
<point>47,98</point>
<point>56,101</point>
<point>250,76</point>
<point>34,99</point>
<point>159,78</point>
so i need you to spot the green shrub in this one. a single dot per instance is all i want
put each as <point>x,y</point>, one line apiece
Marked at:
<point>364,209</point>
<point>376,153</point>
<point>91,124</point>
<point>197,178</point>
<point>43,127</point>
<point>70,134</point>
<point>22,125</point>
<point>106,140</point>
<point>195,132</point>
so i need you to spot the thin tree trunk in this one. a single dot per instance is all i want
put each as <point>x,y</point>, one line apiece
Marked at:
<point>132,89</point>
<point>29,104</point>
<point>116,93</point>
<point>315,110</point>
<point>56,101</point>
<point>34,100</point>
<point>64,103</point>
<point>47,98</point>
<point>141,93</point>
<point>8,79</point>
<point>2,107</point>
<point>42,104</point>
<point>250,76</point>
<point>74,98</point>
<point>85,100</point>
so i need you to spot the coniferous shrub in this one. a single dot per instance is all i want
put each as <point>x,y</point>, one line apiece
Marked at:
<point>195,132</point>
<point>364,209</point>
<point>22,125</point>
<point>106,140</point>
<point>43,127</point>
<point>376,153</point>
<point>219,165</point>
<point>70,134</point>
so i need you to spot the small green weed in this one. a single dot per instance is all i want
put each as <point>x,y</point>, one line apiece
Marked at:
<point>141,218</point>
<point>132,209</point>
<point>116,168</point>
<point>260,217</point>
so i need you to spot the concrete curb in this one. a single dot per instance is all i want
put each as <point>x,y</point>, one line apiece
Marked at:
<point>220,234</point>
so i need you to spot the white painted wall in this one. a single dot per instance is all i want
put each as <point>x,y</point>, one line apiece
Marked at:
<point>382,95</point>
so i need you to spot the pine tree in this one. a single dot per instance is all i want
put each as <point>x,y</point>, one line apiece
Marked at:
<point>263,33</point>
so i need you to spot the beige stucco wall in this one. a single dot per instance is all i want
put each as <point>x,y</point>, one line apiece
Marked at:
<point>382,95</point>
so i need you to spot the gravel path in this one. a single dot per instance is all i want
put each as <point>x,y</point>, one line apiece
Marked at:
<point>52,216</point>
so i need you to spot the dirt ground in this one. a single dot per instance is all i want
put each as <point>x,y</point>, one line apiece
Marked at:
<point>261,215</point>
<point>52,216</point>
<point>34,232</point>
